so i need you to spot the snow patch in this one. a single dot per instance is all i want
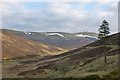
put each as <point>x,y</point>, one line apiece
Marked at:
<point>82,35</point>
<point>27,33</point>
<point>58,34</point>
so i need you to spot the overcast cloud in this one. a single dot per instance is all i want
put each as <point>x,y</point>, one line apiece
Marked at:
<point>60,17</point>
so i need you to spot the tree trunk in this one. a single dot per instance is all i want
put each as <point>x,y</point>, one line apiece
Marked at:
<point>105,59</point>
<point>105,53</point>
<point>63,76</point>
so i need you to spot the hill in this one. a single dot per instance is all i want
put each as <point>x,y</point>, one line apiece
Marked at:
<point>14,46</point>
<point>83,62</point>
<point>59,39</point>
<point>111,40</point>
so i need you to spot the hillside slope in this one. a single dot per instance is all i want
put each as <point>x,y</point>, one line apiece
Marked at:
<point>14,46</point>
<point>81,62</point>
<point>111,40</point>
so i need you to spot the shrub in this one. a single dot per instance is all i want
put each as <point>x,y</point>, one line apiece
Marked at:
<point>91,77</point>
<point>110,75</point>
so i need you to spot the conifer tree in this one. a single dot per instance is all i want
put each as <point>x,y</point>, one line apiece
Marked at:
<point>103,32</point>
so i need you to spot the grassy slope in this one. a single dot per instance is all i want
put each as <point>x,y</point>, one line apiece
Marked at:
<point>79,71</point>
<point>96,67</point>
<point>100,69</point>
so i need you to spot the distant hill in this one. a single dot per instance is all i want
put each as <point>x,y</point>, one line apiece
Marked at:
<point>15,46</point>
<point>59,39</point>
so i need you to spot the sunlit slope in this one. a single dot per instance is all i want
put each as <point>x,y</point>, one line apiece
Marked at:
<point>14,46</point>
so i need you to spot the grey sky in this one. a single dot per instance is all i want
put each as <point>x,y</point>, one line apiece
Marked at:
<point>59,16</point>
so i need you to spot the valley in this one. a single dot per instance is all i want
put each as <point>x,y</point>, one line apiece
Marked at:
<point>58,39</point>
<point>82,62</point>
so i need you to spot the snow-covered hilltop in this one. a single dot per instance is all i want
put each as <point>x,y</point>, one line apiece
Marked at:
<point>60,39</point>
<point>63,35</point>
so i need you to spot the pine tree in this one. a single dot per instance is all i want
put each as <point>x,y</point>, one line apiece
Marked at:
<point>103,32</point>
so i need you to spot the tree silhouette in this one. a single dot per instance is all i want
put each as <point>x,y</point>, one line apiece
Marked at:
<point>103,32</point>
